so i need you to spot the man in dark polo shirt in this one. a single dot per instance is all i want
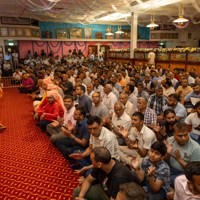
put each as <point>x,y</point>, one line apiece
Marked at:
<point>83,100</point>
<point>105,168</point>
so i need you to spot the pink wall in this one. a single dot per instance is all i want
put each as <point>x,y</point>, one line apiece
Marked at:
<point>61,47</point>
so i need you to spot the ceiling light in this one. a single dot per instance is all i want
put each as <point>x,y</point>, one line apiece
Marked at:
<point>54,1</point>
<point>119,31</point>
<point>109,33</point>
<point>180,21</point>
<point>152,25</point>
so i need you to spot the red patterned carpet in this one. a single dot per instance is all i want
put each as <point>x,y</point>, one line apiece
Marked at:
<point>30,167</point>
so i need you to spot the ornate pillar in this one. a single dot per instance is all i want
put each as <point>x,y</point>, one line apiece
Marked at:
<point>134,23</point>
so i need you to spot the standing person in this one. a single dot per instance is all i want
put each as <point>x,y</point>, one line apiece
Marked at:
<point>104,167</point>
<point>151,58</point>
<point>15,58</point>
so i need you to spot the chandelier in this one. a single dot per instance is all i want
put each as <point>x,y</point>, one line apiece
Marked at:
<point>181,22</point>
<point>152,25</point>
<point>119,31</point>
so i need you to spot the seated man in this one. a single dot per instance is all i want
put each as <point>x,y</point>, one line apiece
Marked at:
<point>16,77</point>
<point>119,118</point>
<point>98,108</point>
<point>181,150</point>
<point>27,84</point>
<point>83,100</point>
<point>77,138</point>
<point>131,191</point>
<point>194,120</point>
<point>66,85</point>
<point>173,103</point>
<point>104,167</point>
<point>193,97</point>
<point>150,117</point>
<point>184,89</point>
<point>52,109</point>
<point>166,129</point>
<point>109,98</point>
<point>54,129</point>
<point>129,108</point>
<point>187,186</point>
<point>99,137</point>
<point>138,140</point>
<point>157,101</point>
<point>154,172</point>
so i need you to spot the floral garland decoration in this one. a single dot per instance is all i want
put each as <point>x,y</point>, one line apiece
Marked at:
<point>165,50</point>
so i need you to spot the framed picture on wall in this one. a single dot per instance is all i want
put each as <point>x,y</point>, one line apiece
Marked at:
<point>19,32</point>
<point>75,33</point>
<point>27,32</point>
<point>99,35</point>
<point>88,33</point>
<point>117,36</point>
<point>126,34</point>
<point>61,33</point>
<point>4,32</point>
<point>12,32</point>
<point>35,32</point>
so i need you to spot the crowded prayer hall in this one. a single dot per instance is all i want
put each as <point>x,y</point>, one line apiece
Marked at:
<point>99,100</point>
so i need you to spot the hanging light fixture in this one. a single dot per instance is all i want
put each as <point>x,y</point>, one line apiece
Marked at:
<point>119,31</point>
<point>181,21</point>
<point>109,33</point>
<point>54,1</point>
<point>152,25</point>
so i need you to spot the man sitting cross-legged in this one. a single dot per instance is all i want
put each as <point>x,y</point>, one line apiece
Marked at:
<point>154,173</point>
<point>138,140</point>
<point>54,129</point>
<point>181,150</point>
<point>77,139</point>
<point>99,137</point>
<point>51,110</point>
<point>104,167</point>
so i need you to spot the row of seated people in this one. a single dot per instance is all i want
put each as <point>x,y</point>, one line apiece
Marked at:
<point>124,120</point>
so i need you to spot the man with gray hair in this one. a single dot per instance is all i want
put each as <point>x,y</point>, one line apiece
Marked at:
<point>157,101</point>
<point>119,119</point>
<point>150,117</point>
<point>109,98</point>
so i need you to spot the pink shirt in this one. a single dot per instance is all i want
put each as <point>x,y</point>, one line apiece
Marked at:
<point>181,190</point>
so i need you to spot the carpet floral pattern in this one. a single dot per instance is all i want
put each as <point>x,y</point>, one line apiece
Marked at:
<point>31,168</point>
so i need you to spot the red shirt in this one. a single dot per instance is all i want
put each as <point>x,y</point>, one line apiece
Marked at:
<point>52,111</point>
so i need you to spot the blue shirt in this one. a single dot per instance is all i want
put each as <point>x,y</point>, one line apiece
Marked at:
<point>191,94</point>
<point>85,101</point>
<point>162,172</point>
<point>82,129</point>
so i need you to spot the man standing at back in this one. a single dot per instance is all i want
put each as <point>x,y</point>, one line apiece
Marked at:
<point>151,58</point>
